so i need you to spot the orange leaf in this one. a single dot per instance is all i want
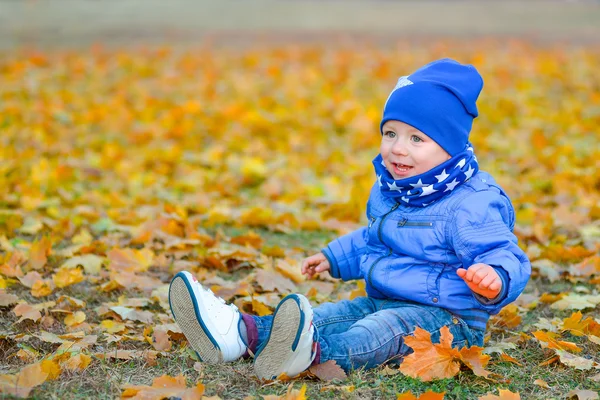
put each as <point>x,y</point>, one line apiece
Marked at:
<point>328,371</point>
<point>575,325</point>
<point>27,311</point>
<point>430,361</point>
<point>39,252</point>
<point>504,395</point>
<point>473,359</point>
<point>549,340</point>
<point>130,260</point>
<point>429,395</point>
<point>78,362</point>
<point>164,387</point>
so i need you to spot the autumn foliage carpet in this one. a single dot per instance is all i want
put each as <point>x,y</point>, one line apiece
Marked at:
<point>120,168</point>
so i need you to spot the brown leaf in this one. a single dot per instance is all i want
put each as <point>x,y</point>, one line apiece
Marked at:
<point>270,281</point>
<point>574,361</point>
<point>160,340</point>
<point>541,383</point>
<point>132,314</point>
<point>7,299</point>
<point>130,260</point>
<point>30,278</point>
<point>27,311</point>
<point>583,394</point>
<point>328,371</point>
<point>164,387</point>
<point>503,395</point>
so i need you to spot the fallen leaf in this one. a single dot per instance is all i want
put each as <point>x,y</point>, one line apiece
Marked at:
<point>42,288</point>
<point>429,395</point>
<point>7,299</point>
<point>39,252</point>
<point>430,361</point>
<point>27,311</point>
<point>541,383</point>
<point>328,371</point>
<point>78,362</point>
<point>132,314</point>
<point>91,263</point>
<point>574,361</point>
<point>164,387</point>
<point>503,395</point>
<point>21,384</point>
<point>583,394</point>
<point>67,276</point>
<point>550,340</point>
<point>76,318</point>
<point>130,260</point>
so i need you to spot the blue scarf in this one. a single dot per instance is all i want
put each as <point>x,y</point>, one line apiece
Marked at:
<point>430,186</point>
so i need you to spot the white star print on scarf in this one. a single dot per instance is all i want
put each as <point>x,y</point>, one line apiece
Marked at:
<point>424,189</point>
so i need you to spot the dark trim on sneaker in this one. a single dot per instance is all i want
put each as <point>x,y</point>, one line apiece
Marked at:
<point>182,276</point>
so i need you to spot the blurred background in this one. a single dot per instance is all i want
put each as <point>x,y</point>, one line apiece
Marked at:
<point>82,22</point>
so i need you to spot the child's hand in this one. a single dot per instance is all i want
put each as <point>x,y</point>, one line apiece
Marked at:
<point>482,279</point>
<point>315,264</point>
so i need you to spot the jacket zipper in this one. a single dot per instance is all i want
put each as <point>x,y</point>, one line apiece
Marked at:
<point>406,222</point>
<point>379,237</point>
<point>371,220</point>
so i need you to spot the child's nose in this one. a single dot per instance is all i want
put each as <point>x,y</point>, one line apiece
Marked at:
<point>399,147</point>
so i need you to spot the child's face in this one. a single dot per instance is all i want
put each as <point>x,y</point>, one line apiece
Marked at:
<point>408,152</point>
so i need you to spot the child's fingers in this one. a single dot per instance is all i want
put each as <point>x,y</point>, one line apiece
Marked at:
<point>473,269</point>
<point>496,285</point>
<point>461,272</point>
<point>321,267</point>
<point>487,281</point>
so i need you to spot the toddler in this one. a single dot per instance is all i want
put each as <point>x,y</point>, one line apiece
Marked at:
<point>438,249</point>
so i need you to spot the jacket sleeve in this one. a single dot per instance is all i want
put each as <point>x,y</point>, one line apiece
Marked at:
<point>344,254</point>
<point>481,232</point>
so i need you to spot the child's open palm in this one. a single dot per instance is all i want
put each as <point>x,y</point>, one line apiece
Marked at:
<point>315,264</point>
<point>482,279</point>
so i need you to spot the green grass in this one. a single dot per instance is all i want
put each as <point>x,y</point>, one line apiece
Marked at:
<point>104,379</point>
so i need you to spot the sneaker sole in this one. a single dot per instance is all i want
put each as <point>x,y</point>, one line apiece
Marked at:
<point>186,312</point>
<point>279,347</point>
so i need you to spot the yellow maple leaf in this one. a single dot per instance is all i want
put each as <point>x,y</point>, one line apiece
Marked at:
<point>75,318</point>
<point>42,288</point>
<point>66,277</point>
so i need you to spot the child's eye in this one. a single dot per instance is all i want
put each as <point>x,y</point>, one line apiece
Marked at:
<point>416,139</point>
<point>390,134</point>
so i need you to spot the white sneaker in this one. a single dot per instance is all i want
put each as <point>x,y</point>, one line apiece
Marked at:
<point>210,325</point>
<point>290,347</point>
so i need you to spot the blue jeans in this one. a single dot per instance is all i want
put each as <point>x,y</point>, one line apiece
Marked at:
<point>367,332</point>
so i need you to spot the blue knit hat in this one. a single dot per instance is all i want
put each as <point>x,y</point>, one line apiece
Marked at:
<point>439,100</point>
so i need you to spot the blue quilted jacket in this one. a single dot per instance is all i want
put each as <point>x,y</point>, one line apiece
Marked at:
<point>412,253</point>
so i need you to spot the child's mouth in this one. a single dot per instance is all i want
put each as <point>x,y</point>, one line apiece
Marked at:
<point>401,169</point>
